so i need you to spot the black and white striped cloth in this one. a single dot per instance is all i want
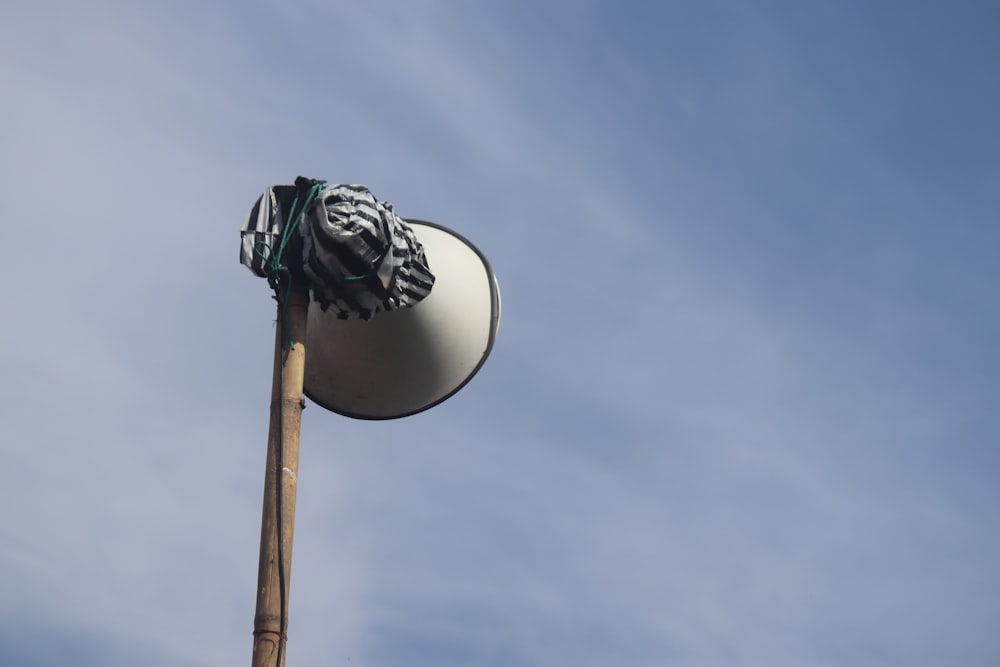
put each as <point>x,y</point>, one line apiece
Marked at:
<point>352,252</point>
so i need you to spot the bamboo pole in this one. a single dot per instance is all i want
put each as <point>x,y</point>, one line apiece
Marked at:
<point>273,577</point>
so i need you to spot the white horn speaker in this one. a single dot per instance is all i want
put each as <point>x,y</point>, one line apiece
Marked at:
<point>405,361</point>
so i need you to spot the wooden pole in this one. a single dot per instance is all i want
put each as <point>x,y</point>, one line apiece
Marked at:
<point>274,572</point>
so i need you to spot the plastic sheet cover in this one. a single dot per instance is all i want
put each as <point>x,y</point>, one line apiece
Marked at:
<point>351,251</point>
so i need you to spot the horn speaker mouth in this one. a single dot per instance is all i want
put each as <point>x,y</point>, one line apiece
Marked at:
<point>405,361</point>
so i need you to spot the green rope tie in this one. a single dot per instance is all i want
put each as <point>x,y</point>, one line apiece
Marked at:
<point>279,277</point>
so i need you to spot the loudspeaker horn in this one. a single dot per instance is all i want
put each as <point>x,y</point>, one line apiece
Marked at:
<point>405,361</point>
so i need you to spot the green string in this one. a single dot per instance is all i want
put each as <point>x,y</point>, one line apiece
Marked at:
<point>278,275</point>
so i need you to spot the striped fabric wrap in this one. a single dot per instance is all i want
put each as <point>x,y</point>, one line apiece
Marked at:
<point>354,254</point>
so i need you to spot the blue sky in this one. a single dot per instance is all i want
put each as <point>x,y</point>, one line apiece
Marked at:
<point>742,408</point>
